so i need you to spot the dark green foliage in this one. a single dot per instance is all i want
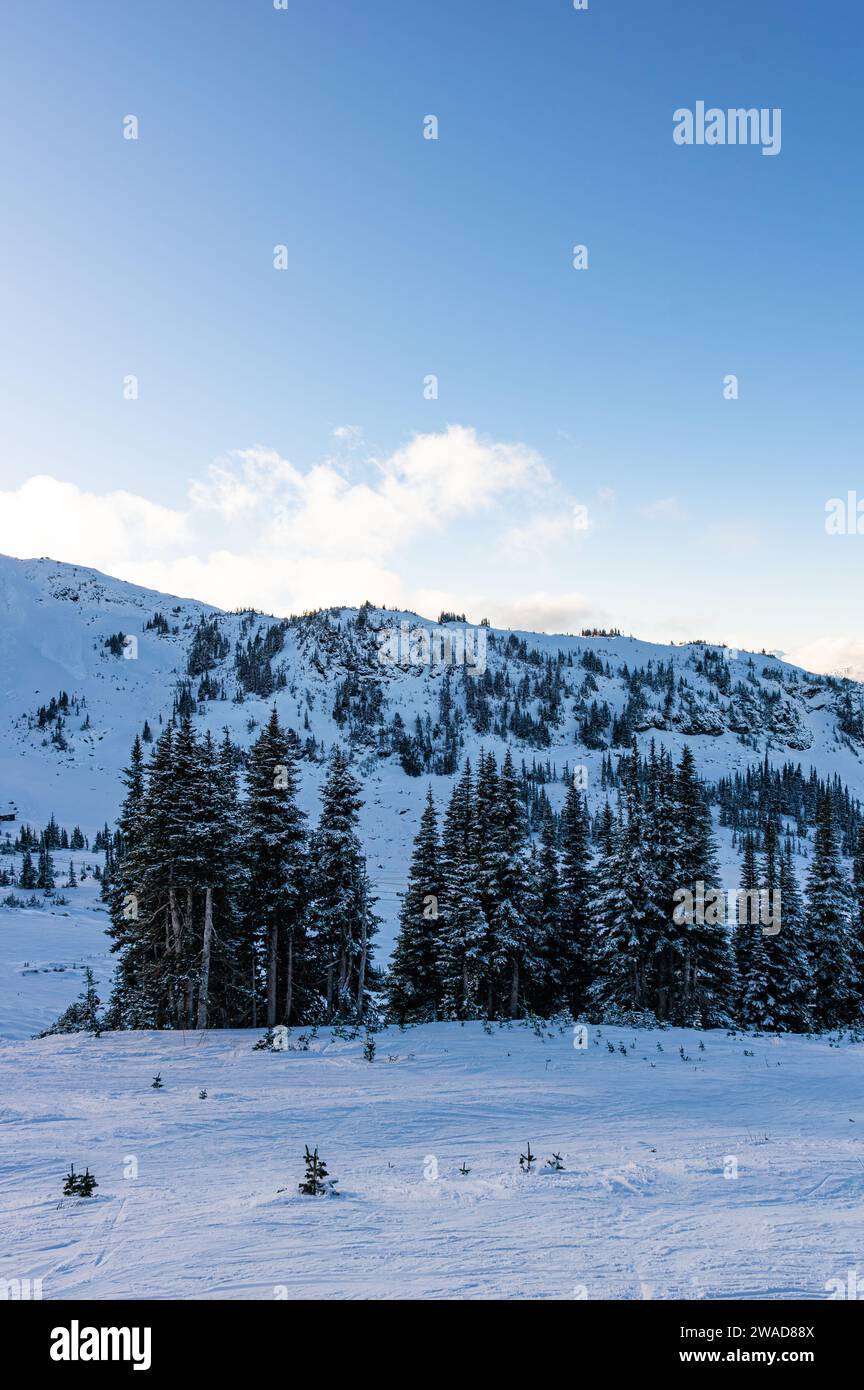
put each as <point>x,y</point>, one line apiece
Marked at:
<point>414,982</point>
<point>79,1184</point>
<point>830,931</point>
<point>527,1160</point>
<point>317,1182</point>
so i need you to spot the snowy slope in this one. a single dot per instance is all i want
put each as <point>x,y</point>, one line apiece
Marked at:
<point>55,621</point>
<point>642,1210</point>
<point>44,952</point>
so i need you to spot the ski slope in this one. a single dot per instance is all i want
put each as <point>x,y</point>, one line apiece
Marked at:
<point>642,1210</point>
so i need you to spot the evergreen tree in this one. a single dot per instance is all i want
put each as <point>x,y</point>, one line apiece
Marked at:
<point>706,977</point>
<point>486,866</point>
<point>28,877</point>
<point>830,938</point>
<point>173,919</point>
<point>342,921</point>
<point>317,1182</point>
<point>275,867</point>
<point>463,925</point>
<point>511,935</point>
<point>79,1184</point>
<point>220,990</point>
<point>858,915</point>
<point>138,926</point>
<point>573,936</point>
<point>45,873</point>
<point>414,985</point>
<point>755,1003</point>
<point>624,909</point>
<point>788,961</point>
<point>552,960</point>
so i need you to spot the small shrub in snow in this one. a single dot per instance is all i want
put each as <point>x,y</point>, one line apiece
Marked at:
<point>555,1163</point>
<point>616,1017</point>
<point>156,1083</point>
<point>369,1049</point>
<point>79,1184</point>
<point>527,1159</point>
<point>317,1182</point>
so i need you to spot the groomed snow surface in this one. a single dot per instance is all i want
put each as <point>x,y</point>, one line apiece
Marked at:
<point>642,1210</point>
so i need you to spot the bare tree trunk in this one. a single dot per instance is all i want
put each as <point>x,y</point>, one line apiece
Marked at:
<point>272,963</point>
<point>361,974</point>
<point>169,947</point>
<point>174,949</point>
<point>204,986</point>
<point>290,990</point>
<point>514,989</point>
<point>254,991</point>
<point>188,990</point>
<point>173,940</point>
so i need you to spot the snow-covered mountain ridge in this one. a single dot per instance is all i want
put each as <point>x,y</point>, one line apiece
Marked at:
<point>114,657</point>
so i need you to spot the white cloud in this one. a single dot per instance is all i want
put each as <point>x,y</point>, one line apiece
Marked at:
<point>350,435</point>
<point>45,516</point>
<point>258,530</point>
<point>542,612</point>
<point>434,480</point>
<point>245,482</point>
<point>833,656</point>
<point>274,581</point>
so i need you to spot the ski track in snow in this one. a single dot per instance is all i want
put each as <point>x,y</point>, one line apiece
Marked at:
<point>642,1209</point>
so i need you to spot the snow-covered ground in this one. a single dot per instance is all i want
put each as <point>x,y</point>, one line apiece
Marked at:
<point>44,952</point>
<point>188,1203</point>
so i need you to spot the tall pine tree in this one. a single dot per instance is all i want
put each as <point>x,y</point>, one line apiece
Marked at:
<point>414,983</point>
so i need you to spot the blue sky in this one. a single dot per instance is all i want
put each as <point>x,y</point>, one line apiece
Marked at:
<point>281,450</point>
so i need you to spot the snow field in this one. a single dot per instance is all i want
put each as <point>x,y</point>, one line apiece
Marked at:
<point>642,1210</point>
